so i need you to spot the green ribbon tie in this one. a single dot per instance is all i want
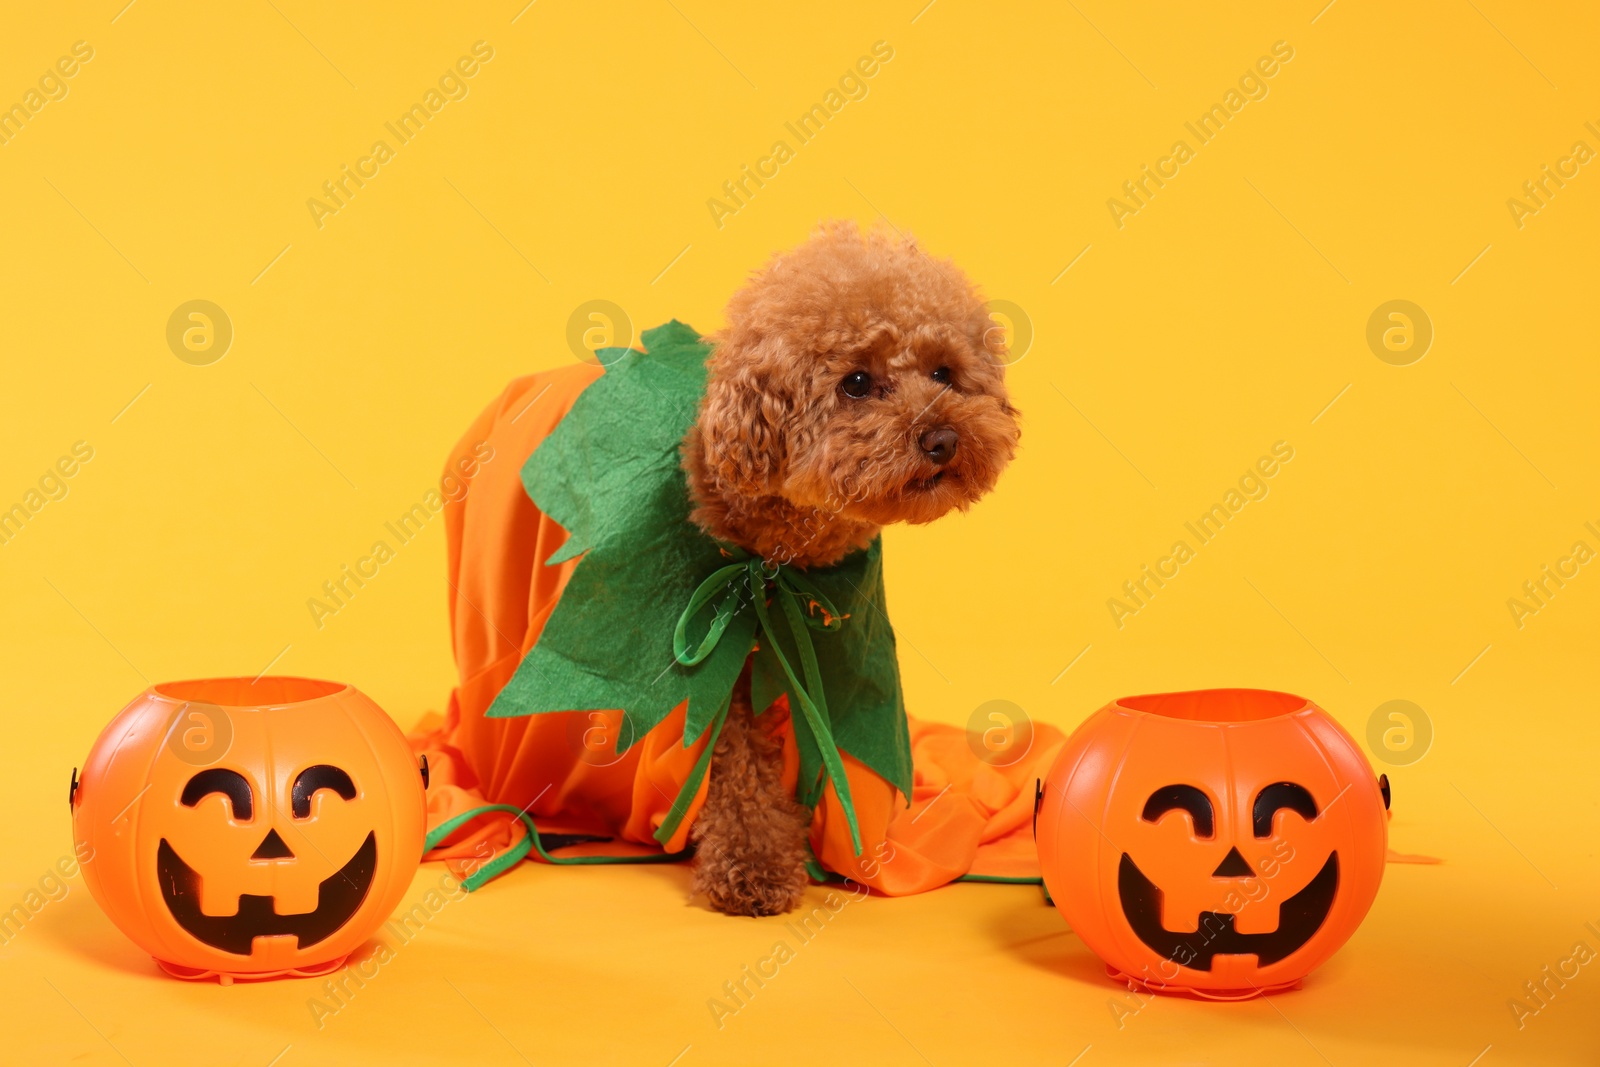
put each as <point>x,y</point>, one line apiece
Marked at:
<point>805,608</point>
<point>530,842</point>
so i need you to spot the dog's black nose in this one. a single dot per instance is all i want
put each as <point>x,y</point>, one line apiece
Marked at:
<point>939,444</point>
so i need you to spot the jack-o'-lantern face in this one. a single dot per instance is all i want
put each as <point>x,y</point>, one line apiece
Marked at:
<point>1300,914</point>
<point>245,827</point>
<point>1223,842</point>
<point>337,896</point>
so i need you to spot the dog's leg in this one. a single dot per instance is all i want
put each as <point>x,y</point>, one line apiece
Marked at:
<point>751,832</point>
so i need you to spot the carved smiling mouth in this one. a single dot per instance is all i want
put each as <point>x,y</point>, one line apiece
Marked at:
<point>1299,917</point>
<point>338,897</point>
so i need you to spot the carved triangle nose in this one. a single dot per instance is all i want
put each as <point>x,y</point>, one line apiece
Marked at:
<point>272,847</point>
<point>1233,865</point>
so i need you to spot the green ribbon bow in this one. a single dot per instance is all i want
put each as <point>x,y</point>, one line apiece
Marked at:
<point>790,588</point>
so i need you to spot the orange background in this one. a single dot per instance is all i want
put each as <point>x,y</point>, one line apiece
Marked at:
<point>1229,313</point>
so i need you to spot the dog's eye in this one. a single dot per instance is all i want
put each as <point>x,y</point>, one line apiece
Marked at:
<point>856,384</point>
<point>942,374</point>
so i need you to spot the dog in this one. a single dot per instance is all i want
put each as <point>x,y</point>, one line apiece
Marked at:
<point>858,382</point>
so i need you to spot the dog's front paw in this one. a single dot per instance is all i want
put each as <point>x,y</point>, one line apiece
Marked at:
<point>735,888</point>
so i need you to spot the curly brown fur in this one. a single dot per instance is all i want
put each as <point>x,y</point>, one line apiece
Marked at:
<point>786,462</point>
<point>783,462</point>
<point>750,835</point>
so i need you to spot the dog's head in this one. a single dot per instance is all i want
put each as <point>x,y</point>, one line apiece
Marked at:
<point>859,376</point>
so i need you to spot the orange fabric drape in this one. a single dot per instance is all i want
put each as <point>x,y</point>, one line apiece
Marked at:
<point>966,816</point>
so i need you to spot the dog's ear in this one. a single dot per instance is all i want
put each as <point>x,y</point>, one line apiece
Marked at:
<point>741,422</point>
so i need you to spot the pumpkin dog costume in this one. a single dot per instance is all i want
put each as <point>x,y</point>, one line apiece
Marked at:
<point>602,636</point>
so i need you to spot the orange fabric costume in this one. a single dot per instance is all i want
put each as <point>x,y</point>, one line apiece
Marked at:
<point>967,817</point>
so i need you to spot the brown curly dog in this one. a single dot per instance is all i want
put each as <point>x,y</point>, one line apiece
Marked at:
<point>858,383</point>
